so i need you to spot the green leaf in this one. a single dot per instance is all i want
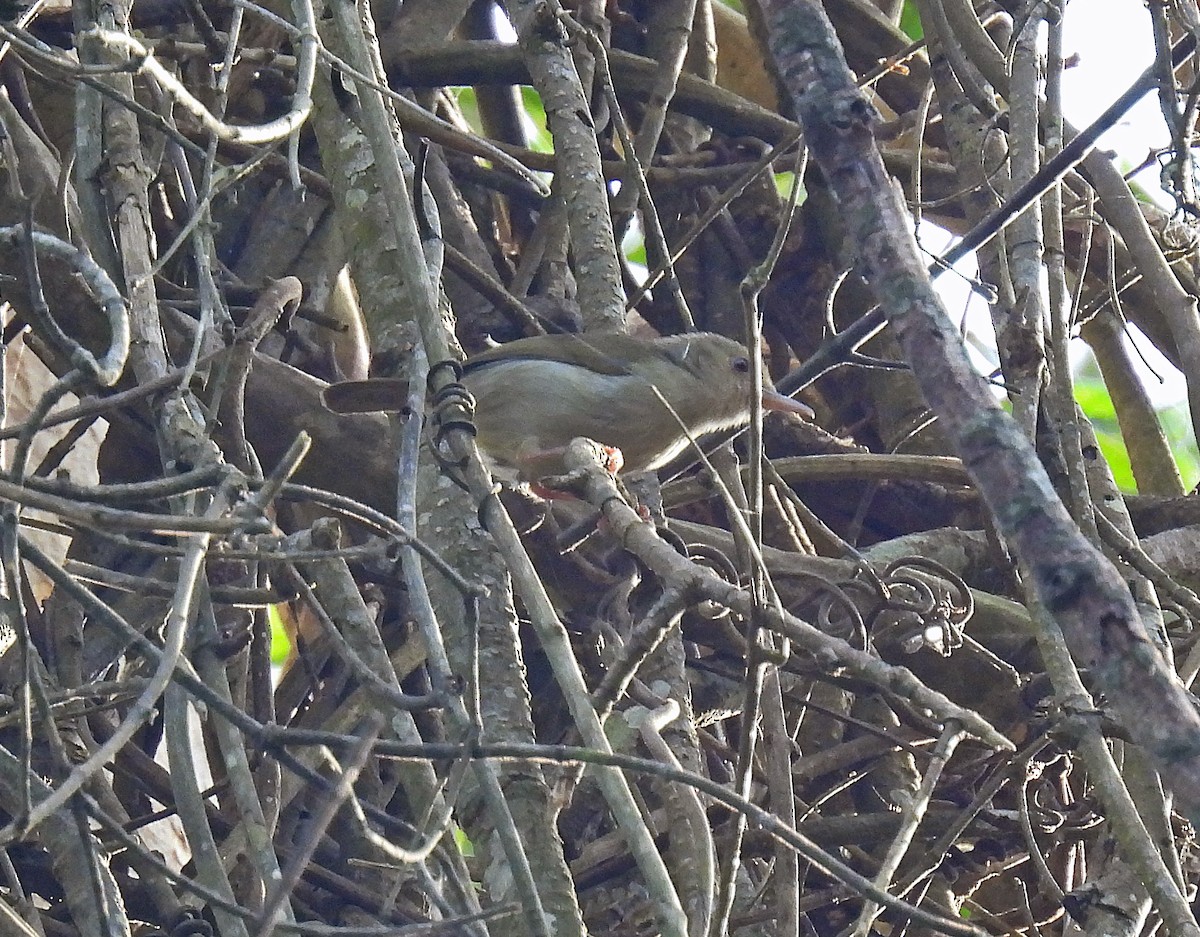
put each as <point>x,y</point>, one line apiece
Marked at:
<point>1097,406</point>
<point>281,646</point>
<point>910,22</point>
<point>469,105</point>
<point>783,185</point>
<point>1112,447</point>
<point>463,842</point>
<point>540,139</point>
<point>1093,399</point>
<point>1177,424</point>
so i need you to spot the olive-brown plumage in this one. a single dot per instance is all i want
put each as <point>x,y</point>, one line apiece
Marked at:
<point>534,395</point>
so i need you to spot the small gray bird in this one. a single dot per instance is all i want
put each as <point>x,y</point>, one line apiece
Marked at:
<point>534,395</point>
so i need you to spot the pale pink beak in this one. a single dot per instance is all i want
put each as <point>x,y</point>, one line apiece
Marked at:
<point>773,400</point>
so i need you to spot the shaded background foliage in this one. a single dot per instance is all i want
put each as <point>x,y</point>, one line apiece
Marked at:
<point>156,537</point>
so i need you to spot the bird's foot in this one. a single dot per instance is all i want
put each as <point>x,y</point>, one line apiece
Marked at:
<point>611,459</point>
<point>570,486</point>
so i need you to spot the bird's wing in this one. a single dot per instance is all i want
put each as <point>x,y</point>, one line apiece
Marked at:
<point>564,348</point>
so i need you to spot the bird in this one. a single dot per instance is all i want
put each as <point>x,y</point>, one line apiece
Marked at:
<point>641,397</point>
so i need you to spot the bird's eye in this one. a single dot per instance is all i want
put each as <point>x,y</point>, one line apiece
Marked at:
<point>739,364</point>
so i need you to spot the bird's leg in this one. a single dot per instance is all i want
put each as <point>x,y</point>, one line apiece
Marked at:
<point>551,494</point>
<point>610,458</point>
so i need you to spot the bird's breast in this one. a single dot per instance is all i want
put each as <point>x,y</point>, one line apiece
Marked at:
<point>529,406</point>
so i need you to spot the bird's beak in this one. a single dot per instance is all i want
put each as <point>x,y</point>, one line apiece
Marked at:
<point>773,400</point>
